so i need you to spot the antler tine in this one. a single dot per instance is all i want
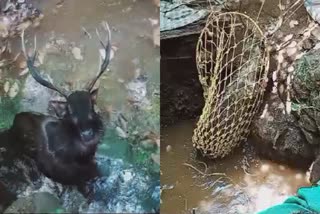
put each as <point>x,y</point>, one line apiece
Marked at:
<point>33,70</point>
<point>107,49</point>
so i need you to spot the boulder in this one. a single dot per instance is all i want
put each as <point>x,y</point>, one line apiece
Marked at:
<point>292,137</point>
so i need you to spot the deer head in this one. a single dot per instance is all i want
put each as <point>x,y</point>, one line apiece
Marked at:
<point>79,111</point>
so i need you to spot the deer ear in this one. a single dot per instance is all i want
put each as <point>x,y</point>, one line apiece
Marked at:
<point>59,108</point>
<point>94,95</point>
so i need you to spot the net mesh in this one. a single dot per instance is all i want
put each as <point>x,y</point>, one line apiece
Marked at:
<point>232,63</point>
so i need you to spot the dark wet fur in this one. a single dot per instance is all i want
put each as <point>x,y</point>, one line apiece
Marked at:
<point>57,151</point>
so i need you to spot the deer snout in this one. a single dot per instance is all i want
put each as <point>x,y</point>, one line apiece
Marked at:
<point>87,135</point>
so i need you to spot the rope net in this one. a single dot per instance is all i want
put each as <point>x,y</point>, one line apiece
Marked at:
<point>232,64</point>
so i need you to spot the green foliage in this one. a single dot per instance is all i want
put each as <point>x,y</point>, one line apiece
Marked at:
<point>308,71</point>
<point>307,74</point>
<point>298,107</point>
<point>141,156</point>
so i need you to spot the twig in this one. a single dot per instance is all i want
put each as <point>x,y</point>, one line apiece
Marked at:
<point>293,5</point>
<point>282,19</point>
<point>202,173</point>
<point>205,165</point>
<point>247,173</point>
<point>260,10</point>
<point>216,181</point>
<point>185,204</point>
<point>9,61</point>
<point>16,57</point>
<point>86,32</point>
<point>291,14</point>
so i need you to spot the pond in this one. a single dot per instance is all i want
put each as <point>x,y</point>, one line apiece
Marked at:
<point>128,156</point>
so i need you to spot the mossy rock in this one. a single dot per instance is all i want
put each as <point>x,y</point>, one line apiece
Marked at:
<point>306,82</point>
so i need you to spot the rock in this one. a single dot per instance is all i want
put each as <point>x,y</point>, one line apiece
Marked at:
<point>314,175</point>
<point>280,139</point>
<point>120,189</point>
<point>77,53</point>
<point>295,136</point>
<point>293,23</point>
<point>127,175</point>
<point>6,87</point>
<point>121,133</point>
<point>169,148</point>
<point>40,202</point>
<point>313,9</point>
<point>74,202</point>
<point>156,158</point>
<point>127,189</point>
<point>14,90</point>
<point>148,144</point>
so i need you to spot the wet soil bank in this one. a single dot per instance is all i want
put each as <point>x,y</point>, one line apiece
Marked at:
<point>181,91</point>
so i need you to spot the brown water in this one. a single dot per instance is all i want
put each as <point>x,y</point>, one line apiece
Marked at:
<point>252,184</point>
<point>132,23</point>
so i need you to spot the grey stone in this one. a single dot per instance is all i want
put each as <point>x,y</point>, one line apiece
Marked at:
<point>40,202</point>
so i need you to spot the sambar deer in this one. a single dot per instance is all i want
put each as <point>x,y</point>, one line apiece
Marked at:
<point>63,148</point>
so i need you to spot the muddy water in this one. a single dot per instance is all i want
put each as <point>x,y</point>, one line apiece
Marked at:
<point>251,184</point>
<point>132,40</point>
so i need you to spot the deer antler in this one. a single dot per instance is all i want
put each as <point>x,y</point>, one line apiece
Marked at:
<point>106,60</point>
<point>33,70</point>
